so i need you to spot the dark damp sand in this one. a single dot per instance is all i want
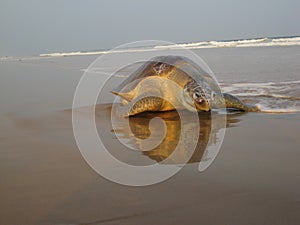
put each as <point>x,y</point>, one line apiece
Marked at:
<point>254,180</point>
<point>44,180</point>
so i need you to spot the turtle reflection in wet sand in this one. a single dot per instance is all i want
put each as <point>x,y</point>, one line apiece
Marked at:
<point>162,153</point>
<point>166,83</point>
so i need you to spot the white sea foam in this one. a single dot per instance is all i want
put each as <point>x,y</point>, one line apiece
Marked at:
<point>270,97</point>
<point>285,110</point>
<point>263,84</point>
<point>293,39</point>
<point>257,42</point>
<point>58,54</point>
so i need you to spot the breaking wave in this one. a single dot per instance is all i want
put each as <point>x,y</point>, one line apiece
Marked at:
<point>270,97</point>
<point>256,42</point>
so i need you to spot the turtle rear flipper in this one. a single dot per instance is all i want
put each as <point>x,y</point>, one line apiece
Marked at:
<point>233,103</point>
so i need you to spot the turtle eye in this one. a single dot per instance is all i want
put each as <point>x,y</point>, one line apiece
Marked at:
<point>213,95</point>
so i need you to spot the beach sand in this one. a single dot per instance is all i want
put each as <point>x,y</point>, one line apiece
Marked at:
<point>44,179</point>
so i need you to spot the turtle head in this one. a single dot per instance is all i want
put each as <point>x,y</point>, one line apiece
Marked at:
<point>194,97</point>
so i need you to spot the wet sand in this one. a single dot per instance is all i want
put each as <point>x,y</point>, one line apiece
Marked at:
<point>254,180</point>
<point>44,180</point>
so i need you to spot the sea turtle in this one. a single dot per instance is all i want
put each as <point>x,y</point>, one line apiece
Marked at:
<point>173,82</point>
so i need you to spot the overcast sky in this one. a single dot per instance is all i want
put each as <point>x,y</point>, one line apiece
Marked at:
<point>31,27</point>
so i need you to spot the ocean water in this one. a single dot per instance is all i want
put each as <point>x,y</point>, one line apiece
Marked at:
<point>256,42</point>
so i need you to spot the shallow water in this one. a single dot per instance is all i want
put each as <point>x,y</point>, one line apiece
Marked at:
<point>269,77</point>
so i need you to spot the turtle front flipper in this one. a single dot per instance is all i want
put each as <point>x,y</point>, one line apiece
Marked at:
<point>233,102</point>
<point>141,104</point>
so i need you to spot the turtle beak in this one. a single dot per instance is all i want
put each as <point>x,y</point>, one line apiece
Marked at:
<point>202,105</point>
